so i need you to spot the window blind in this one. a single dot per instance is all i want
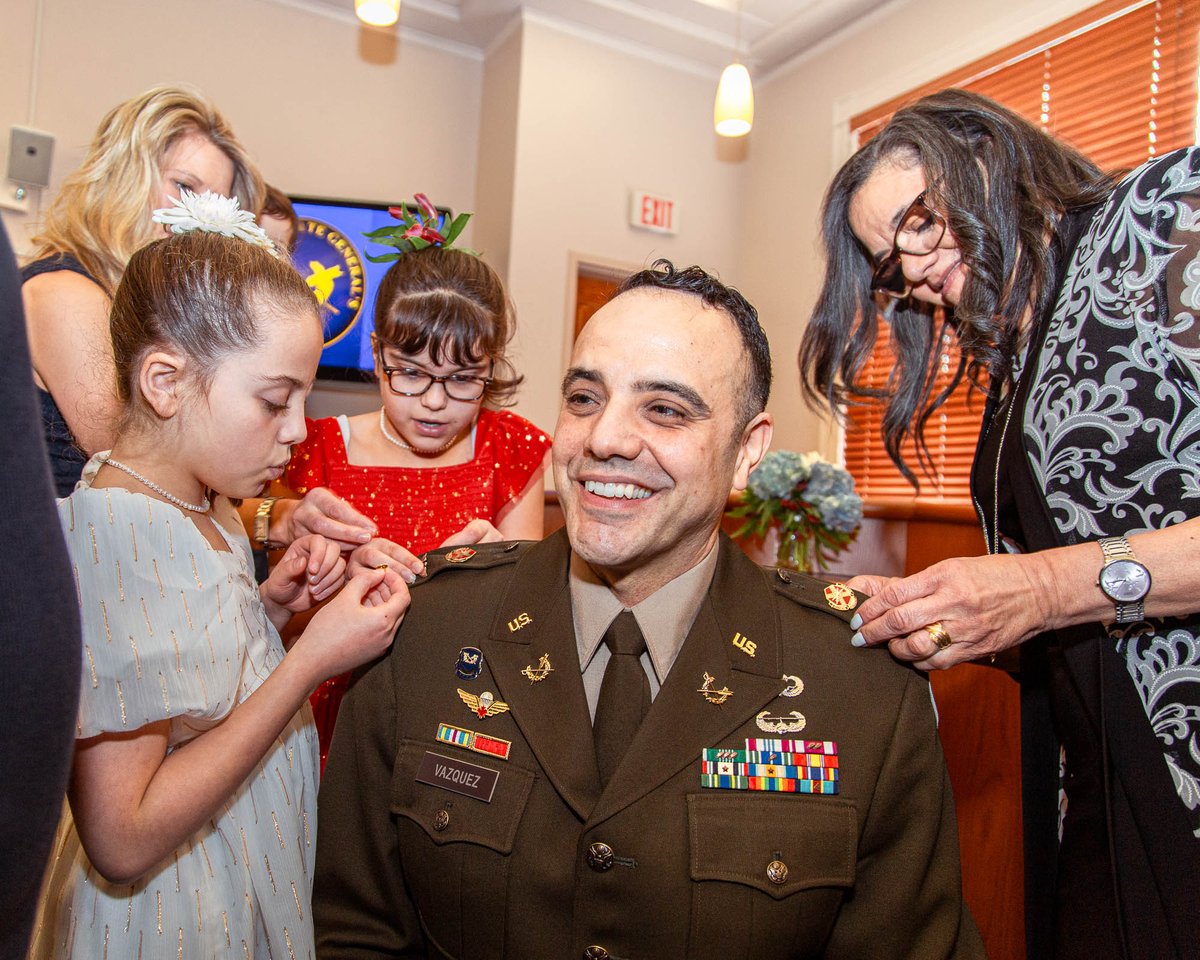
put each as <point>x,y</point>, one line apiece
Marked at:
<point>1118,81</point>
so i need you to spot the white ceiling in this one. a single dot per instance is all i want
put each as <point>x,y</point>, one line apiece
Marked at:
<point>700,34</point>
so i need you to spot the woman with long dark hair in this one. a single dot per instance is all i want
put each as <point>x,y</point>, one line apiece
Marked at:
<point>1075,299</point>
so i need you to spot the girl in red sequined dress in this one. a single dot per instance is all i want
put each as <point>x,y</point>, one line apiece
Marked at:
<point>438,463</point>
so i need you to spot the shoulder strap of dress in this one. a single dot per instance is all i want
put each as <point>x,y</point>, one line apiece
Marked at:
<point>54,263</point>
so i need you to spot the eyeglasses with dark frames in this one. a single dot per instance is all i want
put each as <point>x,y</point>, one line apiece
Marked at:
<point>407,380</point>
<point>920,231</point>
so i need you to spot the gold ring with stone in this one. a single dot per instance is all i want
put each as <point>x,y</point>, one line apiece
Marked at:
<point>939,633</point>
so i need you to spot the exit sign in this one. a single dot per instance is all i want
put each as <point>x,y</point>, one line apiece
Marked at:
<point>652,212</point>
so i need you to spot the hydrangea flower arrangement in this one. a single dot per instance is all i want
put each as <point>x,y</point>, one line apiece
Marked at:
<point>809,499</point>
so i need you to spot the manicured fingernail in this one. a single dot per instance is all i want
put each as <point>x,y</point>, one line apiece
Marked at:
<point>364,537</point>
<point>856,622</point>
<point>409,577</point>
<point>857,640</point>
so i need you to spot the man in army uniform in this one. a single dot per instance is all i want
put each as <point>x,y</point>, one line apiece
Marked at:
<point>536,772</point>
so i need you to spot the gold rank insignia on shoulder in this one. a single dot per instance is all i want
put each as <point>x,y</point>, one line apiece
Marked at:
<point>484,705</point>
<point>460,555</point>
<point>795,686</point>
<point>840,597</point>
<point>538,673</point>
<point>711,695</point>
<point>746,645</point>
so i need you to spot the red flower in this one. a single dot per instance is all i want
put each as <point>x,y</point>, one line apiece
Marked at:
<point>428,210</point>
<point>423,232</point>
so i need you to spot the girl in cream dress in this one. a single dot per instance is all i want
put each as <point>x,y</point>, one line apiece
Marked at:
<point>192,825</point>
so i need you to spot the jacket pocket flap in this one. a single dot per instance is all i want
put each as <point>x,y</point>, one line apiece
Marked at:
<point>449,816</point>
<point>777,844</point>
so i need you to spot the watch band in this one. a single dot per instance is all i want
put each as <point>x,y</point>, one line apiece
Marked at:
<point>1118,548</point>
<point>262,524</point>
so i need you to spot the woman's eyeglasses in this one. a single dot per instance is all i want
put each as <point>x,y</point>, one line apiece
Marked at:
<point>920,231</point>
<point>408,381</point>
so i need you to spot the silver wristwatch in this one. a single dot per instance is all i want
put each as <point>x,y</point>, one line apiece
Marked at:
<point>1123,579</point>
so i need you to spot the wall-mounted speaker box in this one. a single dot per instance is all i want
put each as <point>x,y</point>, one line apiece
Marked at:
<point>29,156</point>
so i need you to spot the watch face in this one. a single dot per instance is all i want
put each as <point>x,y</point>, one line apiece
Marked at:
<point>1125,581</point>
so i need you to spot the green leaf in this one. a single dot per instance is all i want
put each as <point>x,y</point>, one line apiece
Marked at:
<point>391,240</point>
<point>456,228</point>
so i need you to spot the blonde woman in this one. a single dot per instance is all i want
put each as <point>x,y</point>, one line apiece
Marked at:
<point>144,151</point>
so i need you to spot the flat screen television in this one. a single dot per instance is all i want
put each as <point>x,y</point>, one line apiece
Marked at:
<point>329,254</point>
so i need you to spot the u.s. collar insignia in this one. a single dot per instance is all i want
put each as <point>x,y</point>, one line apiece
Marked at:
<point>538,673</point>
<point>792,722</point>
<point>745,644</point>
<point>840,597</point>
<point>711,695</point>
<point>460,555</point>
<point>484,705</point>
<point>470,663</point>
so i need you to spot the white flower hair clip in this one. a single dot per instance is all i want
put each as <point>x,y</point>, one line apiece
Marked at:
<point>213,213</point>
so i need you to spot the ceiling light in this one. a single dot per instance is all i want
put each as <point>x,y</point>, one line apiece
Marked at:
<point>378,13</point>
<point>733,110</point>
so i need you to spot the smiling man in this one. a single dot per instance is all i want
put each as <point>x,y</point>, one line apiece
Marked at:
<point>628,740</point>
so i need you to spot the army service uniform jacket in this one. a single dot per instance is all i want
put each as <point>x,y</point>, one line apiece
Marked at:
<point>414,861</point>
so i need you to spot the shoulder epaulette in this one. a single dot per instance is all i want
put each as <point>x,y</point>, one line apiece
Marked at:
<point>835,598</point>
<point>478,556</point>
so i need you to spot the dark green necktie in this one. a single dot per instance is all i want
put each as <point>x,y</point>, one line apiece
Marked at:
<point>624,694</point>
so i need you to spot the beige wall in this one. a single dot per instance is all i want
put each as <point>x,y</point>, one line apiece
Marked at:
<point>595,123</point>
<point>324,107</point>
<point>544,137</point>
<point>800,139</point>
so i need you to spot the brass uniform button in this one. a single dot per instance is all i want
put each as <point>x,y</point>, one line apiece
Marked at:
<point>595,952</point>
<point>441,820</point>
<point>777,871</point>
<point>600,858</point>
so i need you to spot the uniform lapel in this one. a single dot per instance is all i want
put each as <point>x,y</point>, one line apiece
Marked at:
<point>532,619</point>
<point>681,722</point>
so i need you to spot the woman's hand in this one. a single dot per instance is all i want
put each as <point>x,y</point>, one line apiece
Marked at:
<point>399,566</point>
<point>311,570</point>
<point>477,531</point>
<point>321,511</point>
<point>355,627</point>
<point>985,604</point>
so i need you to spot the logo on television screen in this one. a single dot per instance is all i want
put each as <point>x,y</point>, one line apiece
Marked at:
<point>333,270</point>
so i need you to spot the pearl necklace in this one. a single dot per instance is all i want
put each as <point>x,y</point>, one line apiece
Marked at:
<point>404,446</point>
<point>201,507</point>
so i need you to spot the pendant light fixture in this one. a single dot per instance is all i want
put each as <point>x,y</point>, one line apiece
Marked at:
<point>733,111</point>
<point>378,13</point>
